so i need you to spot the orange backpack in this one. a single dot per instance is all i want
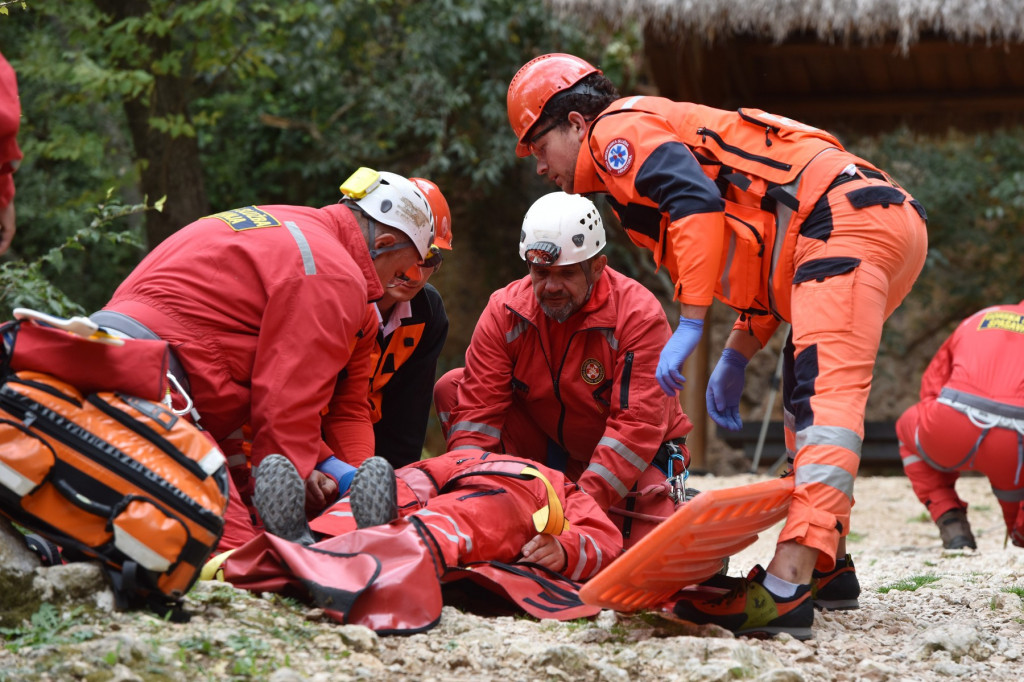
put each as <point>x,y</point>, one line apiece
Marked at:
<point>112,477</point>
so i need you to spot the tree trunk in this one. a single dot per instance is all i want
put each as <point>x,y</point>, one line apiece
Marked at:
<point>170,166</point>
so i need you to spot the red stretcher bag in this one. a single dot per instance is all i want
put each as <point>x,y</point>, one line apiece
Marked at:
<point>137,367</point>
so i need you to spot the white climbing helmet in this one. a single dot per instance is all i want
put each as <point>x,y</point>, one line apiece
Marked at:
<point>561,229</point>
<point>395,201</point>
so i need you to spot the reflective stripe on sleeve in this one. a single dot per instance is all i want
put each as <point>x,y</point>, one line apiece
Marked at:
<point>304,250</point>
<point>586,540</point>
<point>513,334</point>
<point>609,336</point>
<point>610,478</point>
<point>623,452</point>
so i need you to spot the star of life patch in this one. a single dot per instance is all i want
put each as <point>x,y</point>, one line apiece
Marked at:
<point>592,371</point>
<point>618,156</point>
<point>247,218</point>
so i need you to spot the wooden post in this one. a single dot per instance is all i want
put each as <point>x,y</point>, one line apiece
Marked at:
<point>696,371</point>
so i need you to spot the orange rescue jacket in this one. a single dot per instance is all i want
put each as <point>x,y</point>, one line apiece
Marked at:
<point>704,190</point>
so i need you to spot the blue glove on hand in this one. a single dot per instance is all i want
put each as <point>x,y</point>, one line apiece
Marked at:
<point>674,354</point>
<point>725,389</point>
<point>341,472</point>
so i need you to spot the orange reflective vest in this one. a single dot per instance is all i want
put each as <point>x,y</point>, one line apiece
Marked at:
<point>401,387</point>
<point>709,192</point>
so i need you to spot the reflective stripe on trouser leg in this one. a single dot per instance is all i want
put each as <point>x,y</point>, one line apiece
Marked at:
<point>837,326</point>
<point>948,441</point>
<point>466,521</point>
<point>934,488</point>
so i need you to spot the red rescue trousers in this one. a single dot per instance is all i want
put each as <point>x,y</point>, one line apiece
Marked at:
<point>837,319</point>
<point>938,441</point>
<point>476,507</point>
<point>635,515</point>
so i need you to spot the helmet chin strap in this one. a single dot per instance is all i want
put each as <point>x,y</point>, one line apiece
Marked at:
<point>590,281</point>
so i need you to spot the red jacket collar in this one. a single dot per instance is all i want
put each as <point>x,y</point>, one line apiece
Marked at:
<point>599,311</point>
<point>351,237</point>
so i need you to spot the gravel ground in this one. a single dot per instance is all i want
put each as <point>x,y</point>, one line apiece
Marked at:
<point>925,614</point>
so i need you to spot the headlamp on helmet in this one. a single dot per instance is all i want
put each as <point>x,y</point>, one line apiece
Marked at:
<point>360,183</point>
<point>542,253</point>
<point>392,200</point>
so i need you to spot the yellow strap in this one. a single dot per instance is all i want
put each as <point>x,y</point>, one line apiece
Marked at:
<point>212,569</point>
<point>550,518</point>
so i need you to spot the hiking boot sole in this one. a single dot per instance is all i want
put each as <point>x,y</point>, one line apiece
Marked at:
<point>280,499</point>
<point>768,632</point>
<point>836,604</point>
<point>373,495</point>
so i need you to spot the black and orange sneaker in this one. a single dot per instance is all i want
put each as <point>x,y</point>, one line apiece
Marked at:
<point>750,609</point>
<point>838,589</point>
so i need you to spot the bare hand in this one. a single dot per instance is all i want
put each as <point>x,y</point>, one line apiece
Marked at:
<point>321,490</point>
<point>545,550</point>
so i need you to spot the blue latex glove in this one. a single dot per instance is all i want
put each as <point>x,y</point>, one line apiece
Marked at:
<point>673,355</point>
<point>725,389</point>
<point>341,472</point>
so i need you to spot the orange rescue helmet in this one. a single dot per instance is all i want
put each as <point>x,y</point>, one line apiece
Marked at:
<point>439,207</point>
<point>535,84</point>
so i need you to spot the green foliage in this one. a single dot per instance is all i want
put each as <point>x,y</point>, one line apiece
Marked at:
<point>283,100</point>
<point>31,284</point>
<point>17,3</point>
<point>909,584</point>
<point>923,517</point>
<point>46,627</point>
<point>1015,589</point>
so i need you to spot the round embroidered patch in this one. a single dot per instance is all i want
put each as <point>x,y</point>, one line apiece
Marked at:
<point>592,371</point>
<point>618,156</point>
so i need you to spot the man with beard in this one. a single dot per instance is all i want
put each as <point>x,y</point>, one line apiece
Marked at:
<point>560,370</point>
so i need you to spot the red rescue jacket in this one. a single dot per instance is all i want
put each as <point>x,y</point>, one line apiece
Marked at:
<point>587,383</point>
<point>983,358</point>
<point>267,309</point>
<point>10,119</point>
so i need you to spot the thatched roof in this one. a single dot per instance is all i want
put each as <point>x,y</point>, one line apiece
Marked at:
<point>833,21</point>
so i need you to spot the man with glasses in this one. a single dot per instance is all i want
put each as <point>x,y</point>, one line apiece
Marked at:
<point>413,329</point>
<point>267,311</point>
<point>560,370</point>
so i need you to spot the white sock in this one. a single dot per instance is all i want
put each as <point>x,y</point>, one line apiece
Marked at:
<point>779,587</point>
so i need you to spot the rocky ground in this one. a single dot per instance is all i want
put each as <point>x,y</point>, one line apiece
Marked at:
<point>926,615</point>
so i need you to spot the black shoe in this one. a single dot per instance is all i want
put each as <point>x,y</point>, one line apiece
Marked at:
<point>280,499</point>
<point>837,590</point>
<point>373,495</point>
<point>955,531</point>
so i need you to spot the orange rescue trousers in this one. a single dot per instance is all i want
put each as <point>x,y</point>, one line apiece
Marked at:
<point>858,253</point>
